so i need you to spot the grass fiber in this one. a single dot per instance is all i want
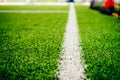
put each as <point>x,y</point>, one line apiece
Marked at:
<point>100,36</point>
<point>30,45</point>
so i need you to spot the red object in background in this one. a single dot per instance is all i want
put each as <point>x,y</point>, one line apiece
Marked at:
<point>108,3</point>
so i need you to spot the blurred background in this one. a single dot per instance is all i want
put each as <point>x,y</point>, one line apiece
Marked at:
<point>32,1</point>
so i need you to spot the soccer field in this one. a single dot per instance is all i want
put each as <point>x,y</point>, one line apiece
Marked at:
<point>30,43</point>
<point>32,36</point>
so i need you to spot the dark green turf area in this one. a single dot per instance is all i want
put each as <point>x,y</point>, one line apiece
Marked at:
<point>30,45</point>
<point>100,36</point>
<point>32,7</point>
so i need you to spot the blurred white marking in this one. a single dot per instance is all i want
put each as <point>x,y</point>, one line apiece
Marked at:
<point>71,67</point>
<point>36,3</point>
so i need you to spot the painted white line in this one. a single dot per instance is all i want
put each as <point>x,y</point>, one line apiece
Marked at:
<point>52,3</point>
<point>12,3</point>
<point>33,11</point>
<point>71,67</point>
<point>36,3</point>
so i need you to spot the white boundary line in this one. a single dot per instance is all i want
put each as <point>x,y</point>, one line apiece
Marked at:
<point>36,3</point>
<point>71,67</point>
<point>33,11</point>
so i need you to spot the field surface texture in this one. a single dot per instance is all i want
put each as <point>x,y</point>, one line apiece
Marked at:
<point>71,67</point>
<point>30,44</point>
<point>100,36</point>
<point>32,7</point>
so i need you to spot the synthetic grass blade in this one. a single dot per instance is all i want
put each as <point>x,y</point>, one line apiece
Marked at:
<point>30,45</point>
<point>100,36</point>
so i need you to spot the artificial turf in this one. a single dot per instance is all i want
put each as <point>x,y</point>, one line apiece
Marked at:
<point>30,45</point>
<point>32,7</point>
<point>100,36</point>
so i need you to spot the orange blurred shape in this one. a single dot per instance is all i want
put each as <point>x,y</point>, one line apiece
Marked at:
<point>116,6</point>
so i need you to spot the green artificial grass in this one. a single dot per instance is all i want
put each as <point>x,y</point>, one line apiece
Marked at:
<point>30,45</point>
<point>100,36</point>
<point>32,7</point>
